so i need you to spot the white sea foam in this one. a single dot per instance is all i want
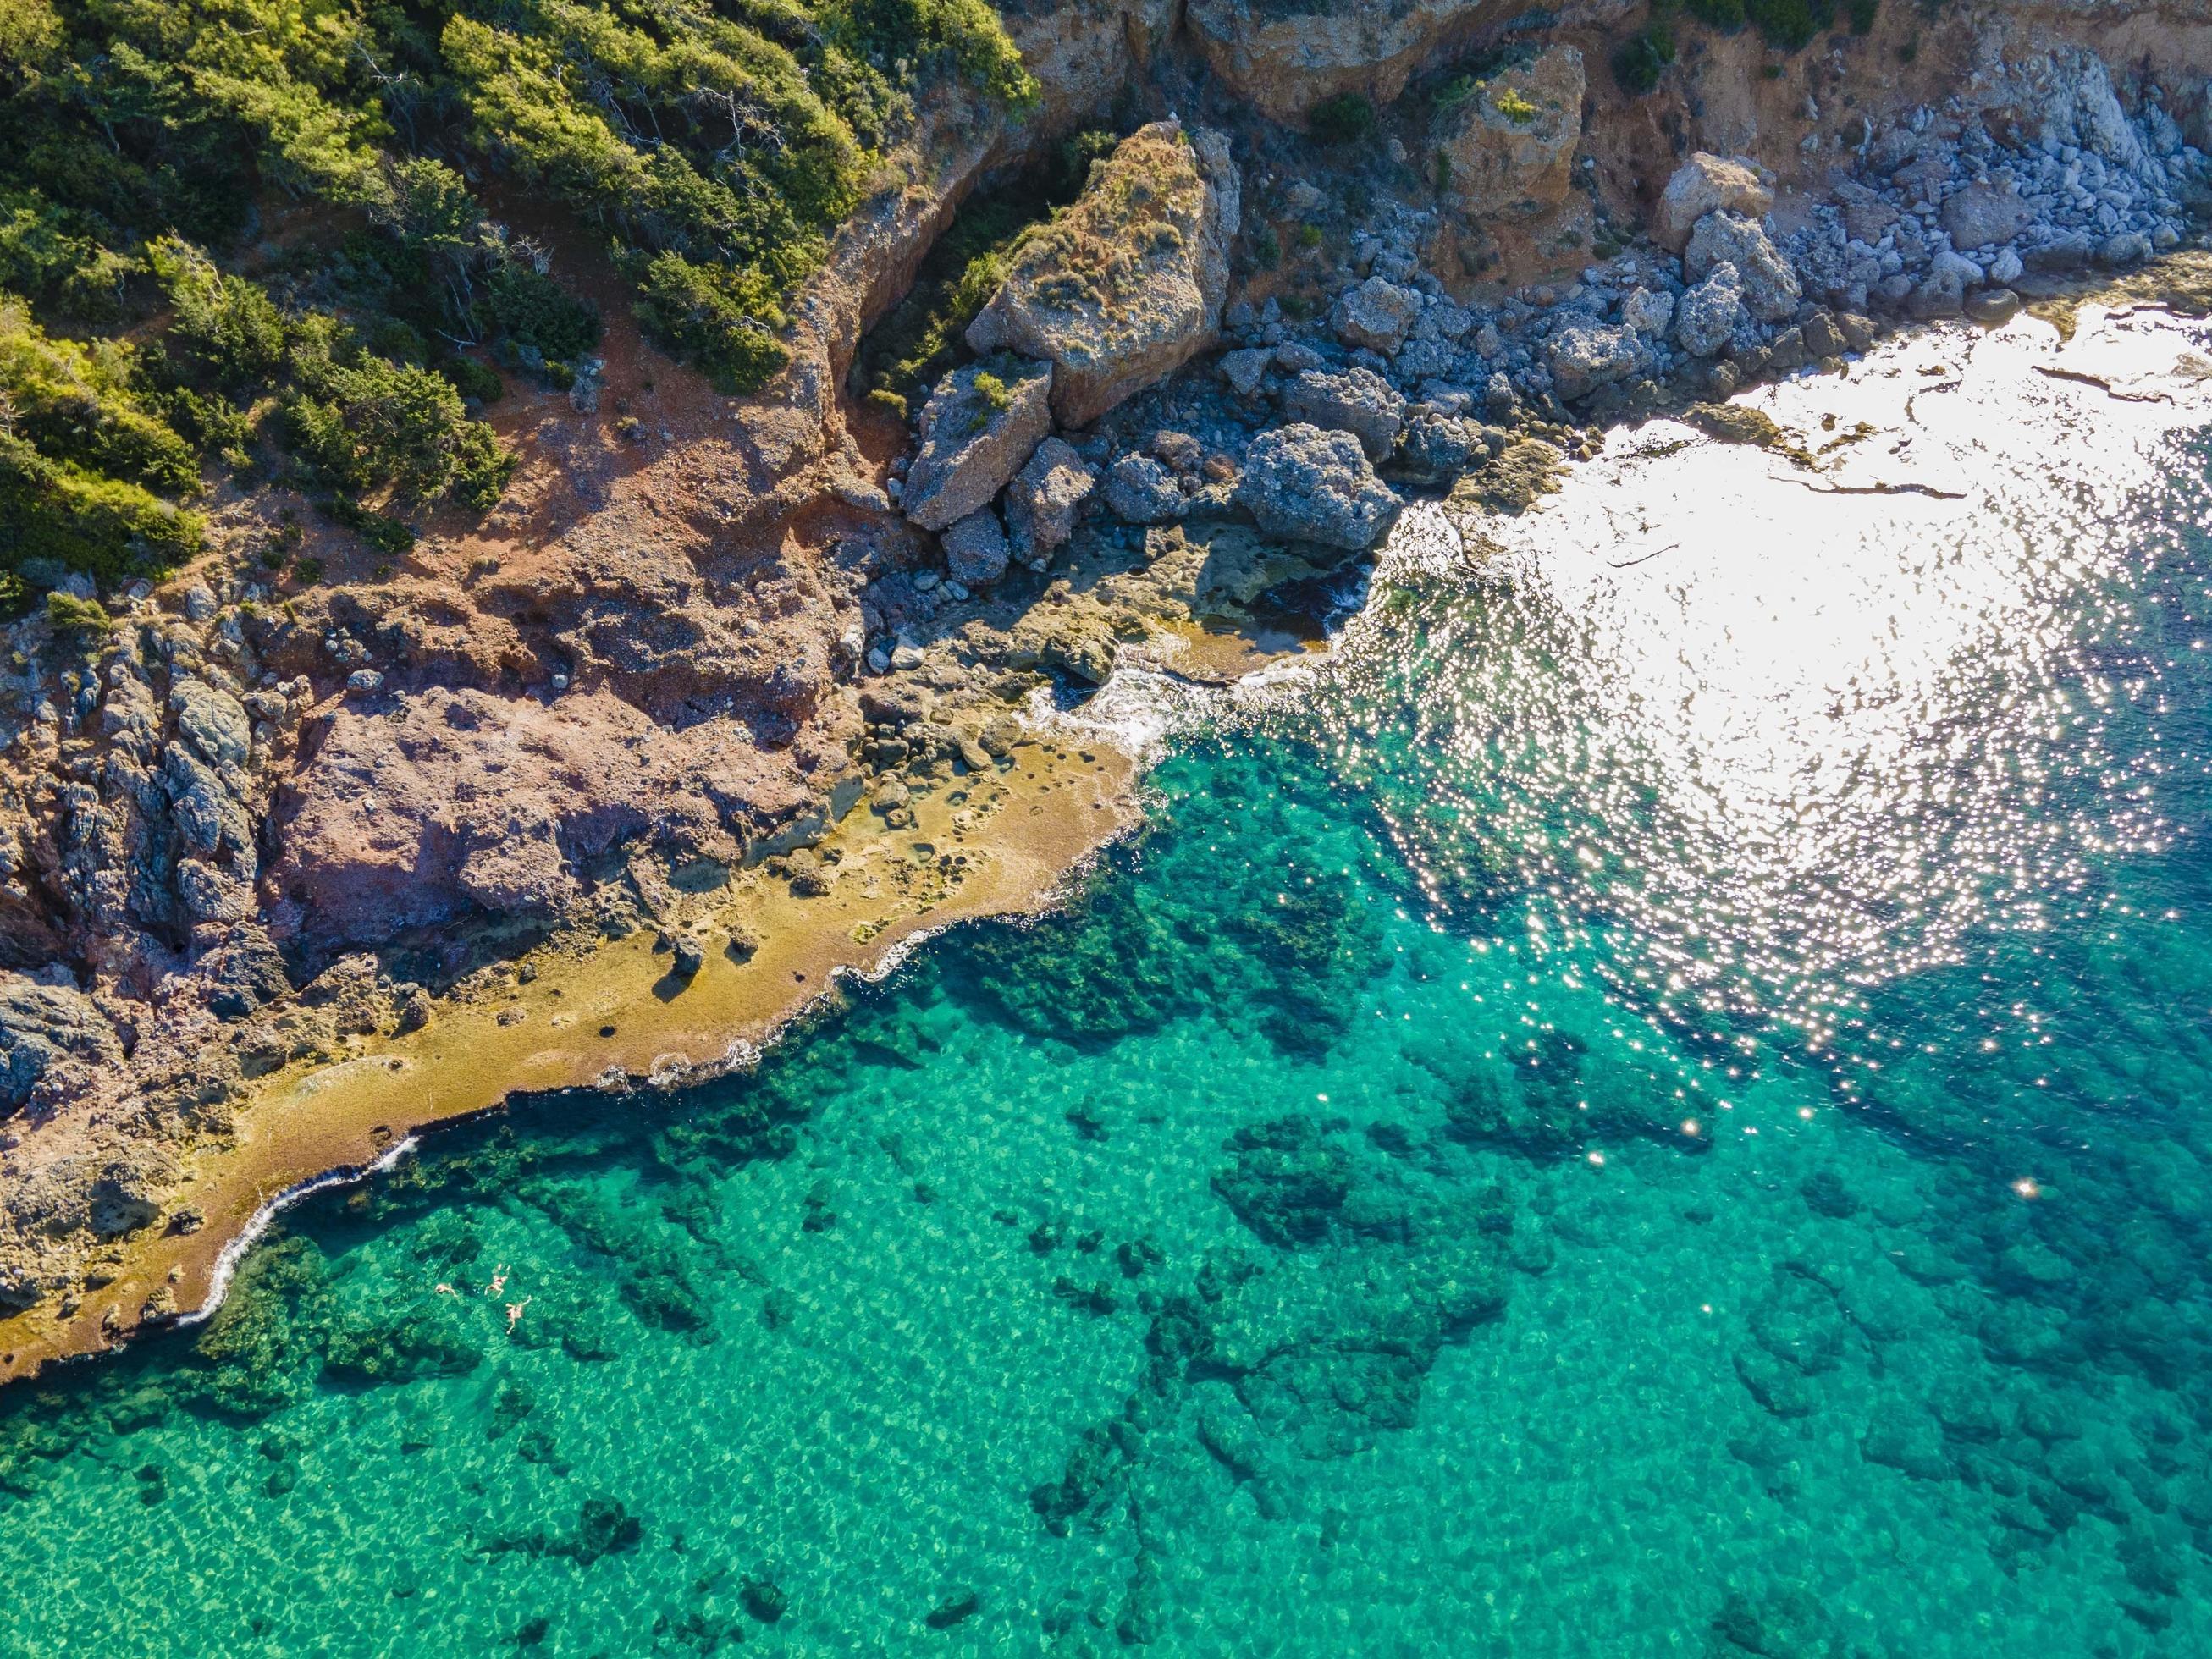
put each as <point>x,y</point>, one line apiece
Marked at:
<point>227,1259</point>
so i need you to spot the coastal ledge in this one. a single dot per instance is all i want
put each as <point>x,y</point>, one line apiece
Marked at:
<point>580,1012</point>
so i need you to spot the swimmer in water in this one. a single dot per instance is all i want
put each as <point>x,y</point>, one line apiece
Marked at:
<point>498,1281</point>
<point>514,1314</point>
<point>446,1290</point>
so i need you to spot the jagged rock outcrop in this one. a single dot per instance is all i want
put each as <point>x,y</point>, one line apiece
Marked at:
<point>1043,500</point>
<point>1358,401</point>
<point>1285,59</point>
<point>1588,355</point>
<point>1128,284</point>
<point>1705,316</point>
<point>980,427</point>
<point>1507,150</point>
<point>1769,286</point>
<point>975,552</point>
<point>1305,484</point>
<point>1140,490</point>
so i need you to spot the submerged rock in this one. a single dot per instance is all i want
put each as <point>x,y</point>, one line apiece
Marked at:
<point>981,424</point>
<point>1128,284</point>
<point>1305,484</point>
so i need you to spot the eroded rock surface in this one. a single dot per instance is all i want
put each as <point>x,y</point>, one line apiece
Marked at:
<point>1127,285</point>
<point>978,429</point>
<point>1507,150</point>
<point>1305,484</point>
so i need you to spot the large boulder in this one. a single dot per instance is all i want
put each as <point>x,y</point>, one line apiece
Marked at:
<point>1043,501</point>
<point>1981,216</point>
<point>1358,401</point>
<point>1376,314</point>
<point>981,424</point>
<point>1126,285</point>
<point>1301,483</point>
<point>1286,58</point>
<point>1704,184</point>
<point>1142,491</point>
<point>1771,289</point>
<point>1587,355</point>
<point>976,551</point>
<point>1507,150</point>
<point>1705,315</point>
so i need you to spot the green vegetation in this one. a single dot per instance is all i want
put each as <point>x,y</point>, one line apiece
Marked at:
<point>243,232</point>
<point>85,618</point>
<point>1787,25</point>
<point>1513,107</point>
<point>1638,61</point>
<point>907,353</point>
<point>1344,119</point>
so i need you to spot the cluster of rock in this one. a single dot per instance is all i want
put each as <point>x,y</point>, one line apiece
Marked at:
<point>1951,201</point>
<point>1113,297</point>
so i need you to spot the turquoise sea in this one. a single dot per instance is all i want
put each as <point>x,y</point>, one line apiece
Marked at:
<point>1659,1102</point>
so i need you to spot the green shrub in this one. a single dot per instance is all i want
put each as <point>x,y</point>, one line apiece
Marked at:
<point>1790,25</point>
<point>474,380</point>
<point>1638,61</point>
<point>111,529</point>
<point>224,331</point>
<point>1862,14</point>
<point>78,404</point>
<point>1344,119</point>
<point>364,423</point>
<point>83,618</point>
<point>1267,248</point>
<point>1727,15</point>
<point>993,392</point>
<point>386,535</point>
<point>720,319</point>
<point>535,313</point>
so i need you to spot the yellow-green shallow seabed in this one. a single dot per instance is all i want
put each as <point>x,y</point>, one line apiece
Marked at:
<point>1650,1101</point>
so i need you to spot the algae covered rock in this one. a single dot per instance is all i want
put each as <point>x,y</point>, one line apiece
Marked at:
<point>1507,149</point>
<point>1305,484</point>
<point>981,424</point>
<point>1126,285</point>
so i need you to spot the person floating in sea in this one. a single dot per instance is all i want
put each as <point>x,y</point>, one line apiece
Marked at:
<point>446,1290</point>
<point>498,1281</point>
<point>514,1314</point>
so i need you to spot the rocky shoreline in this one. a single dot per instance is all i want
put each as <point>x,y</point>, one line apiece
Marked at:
<point>271,858</point>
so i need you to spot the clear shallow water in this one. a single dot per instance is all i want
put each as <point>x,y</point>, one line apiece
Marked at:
<point>1525,1155</point>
